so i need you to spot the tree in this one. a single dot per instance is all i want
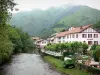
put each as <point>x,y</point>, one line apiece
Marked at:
<point>93,47</point>
<point>68,46</point>
<point>6,46</point>
<point>5,5</point>
<point>75,46</point>
<point>85,47</point>
<point>97,24</point>
<point>96,54</point>
<point>15,39</point>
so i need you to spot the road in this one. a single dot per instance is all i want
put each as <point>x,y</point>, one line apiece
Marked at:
<point>27,64</point>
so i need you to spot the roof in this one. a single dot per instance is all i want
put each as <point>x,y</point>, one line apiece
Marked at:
<point>35,38</point>
<point>74,30</point>
<point>39,40</point>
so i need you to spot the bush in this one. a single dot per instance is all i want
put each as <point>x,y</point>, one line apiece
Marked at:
<point>89,69</point>
<point>96,53</point>
<point>74,47</point>
<point>93,47</point>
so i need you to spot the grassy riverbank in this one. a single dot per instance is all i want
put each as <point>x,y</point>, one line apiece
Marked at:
<point>58,65</point>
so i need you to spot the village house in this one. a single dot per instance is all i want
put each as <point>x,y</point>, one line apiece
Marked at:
<point>51,38</point>
<point>35,39</point>
<point>42,43</point>
<point>85,34</point>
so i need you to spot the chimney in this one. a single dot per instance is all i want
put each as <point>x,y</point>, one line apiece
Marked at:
<point>81,27</point>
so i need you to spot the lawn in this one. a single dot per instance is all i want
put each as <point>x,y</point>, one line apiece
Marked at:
<point>58,65</point>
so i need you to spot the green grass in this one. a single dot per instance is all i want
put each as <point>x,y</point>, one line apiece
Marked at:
<point>59,67</point>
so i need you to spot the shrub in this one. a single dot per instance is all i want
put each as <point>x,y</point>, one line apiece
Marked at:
<point>96,54</point>
<point>89,69</point>
<point>93,47</point>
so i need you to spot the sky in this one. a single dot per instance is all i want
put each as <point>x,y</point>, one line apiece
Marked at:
<point>26,5</point>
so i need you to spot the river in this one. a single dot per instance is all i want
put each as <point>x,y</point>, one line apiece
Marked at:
<point>27,64</point>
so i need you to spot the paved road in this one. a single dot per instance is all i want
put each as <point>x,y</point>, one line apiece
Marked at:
<point>27,64</point>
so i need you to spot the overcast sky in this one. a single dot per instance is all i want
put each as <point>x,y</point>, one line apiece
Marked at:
<point>44,4</point>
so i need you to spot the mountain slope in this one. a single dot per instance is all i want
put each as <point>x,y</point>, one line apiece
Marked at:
<point>85,15</point>
<point>39,22</point>
<point>45,22</point>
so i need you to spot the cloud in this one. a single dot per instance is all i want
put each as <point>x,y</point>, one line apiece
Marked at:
<point>44,4</point>
<point>91,3</point>
<point>28,4</point>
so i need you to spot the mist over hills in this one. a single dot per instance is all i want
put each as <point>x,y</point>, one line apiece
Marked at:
<point>45,22</point>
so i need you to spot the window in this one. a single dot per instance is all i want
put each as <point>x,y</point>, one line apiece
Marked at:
<point>84,36</point>
<point>73,35</point>
<point>70,35</point>
<point>89,42</point>
<point>59,38</point>
<point>95,35</point>
<point>76,35</point>
<point>67,36</point>
<point>89,35</point>
<point>96,42</point>
<point>63,37</point>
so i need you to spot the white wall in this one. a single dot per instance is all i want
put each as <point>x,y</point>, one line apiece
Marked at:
<point>43,43</point>
<point>80,38</point>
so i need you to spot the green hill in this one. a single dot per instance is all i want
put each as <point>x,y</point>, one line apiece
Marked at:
<point>85,15</point>
<point>45,22</point>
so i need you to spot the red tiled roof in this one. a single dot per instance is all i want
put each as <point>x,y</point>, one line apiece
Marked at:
<point>74,30</point>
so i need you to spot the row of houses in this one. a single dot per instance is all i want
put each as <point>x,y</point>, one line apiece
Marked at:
<point>85,34</point>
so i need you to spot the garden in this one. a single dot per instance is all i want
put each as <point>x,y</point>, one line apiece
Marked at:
<point>76,51</point>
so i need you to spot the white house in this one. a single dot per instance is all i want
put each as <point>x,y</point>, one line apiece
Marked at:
<point>35,39</point>
<point>81,34</point>
<point>41,43</point>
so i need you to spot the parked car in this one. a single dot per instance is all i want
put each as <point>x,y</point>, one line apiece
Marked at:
<point>68,63</point>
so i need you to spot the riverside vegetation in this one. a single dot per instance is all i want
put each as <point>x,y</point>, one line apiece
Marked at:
<point>59,67</point>
<point>12,39</point>
<point>70,50</point>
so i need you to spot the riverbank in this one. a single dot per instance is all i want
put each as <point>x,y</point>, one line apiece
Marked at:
<point>57,64</point>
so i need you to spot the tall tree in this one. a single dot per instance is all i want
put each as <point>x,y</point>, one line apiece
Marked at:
<point>6,45</point>
<point>5,6</point>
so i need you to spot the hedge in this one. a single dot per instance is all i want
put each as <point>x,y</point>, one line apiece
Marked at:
<point>89,69</point>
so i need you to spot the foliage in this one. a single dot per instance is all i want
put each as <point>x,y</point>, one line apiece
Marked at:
<point>97,24</point>
<point>75,46</point>
<point>96,54</point>
<point>89,69</point>
<point>21,40</point>
<point>85,47</point>
<point>59,67</point>
<point>4,14</point>
<point>68,48</point>
<point>6,46</point>
<point>93,47</point>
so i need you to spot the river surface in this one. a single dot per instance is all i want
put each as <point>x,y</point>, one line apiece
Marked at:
<point>27,64</point>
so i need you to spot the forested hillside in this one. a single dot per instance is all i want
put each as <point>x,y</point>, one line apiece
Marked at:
<point>84,16</point>
<point>45,22</point>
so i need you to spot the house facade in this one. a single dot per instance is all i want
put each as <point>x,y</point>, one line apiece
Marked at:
<point>42,43</point>
<point>81,34</point>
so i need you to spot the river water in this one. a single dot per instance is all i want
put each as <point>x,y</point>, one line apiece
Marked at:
<point>27,64</point>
